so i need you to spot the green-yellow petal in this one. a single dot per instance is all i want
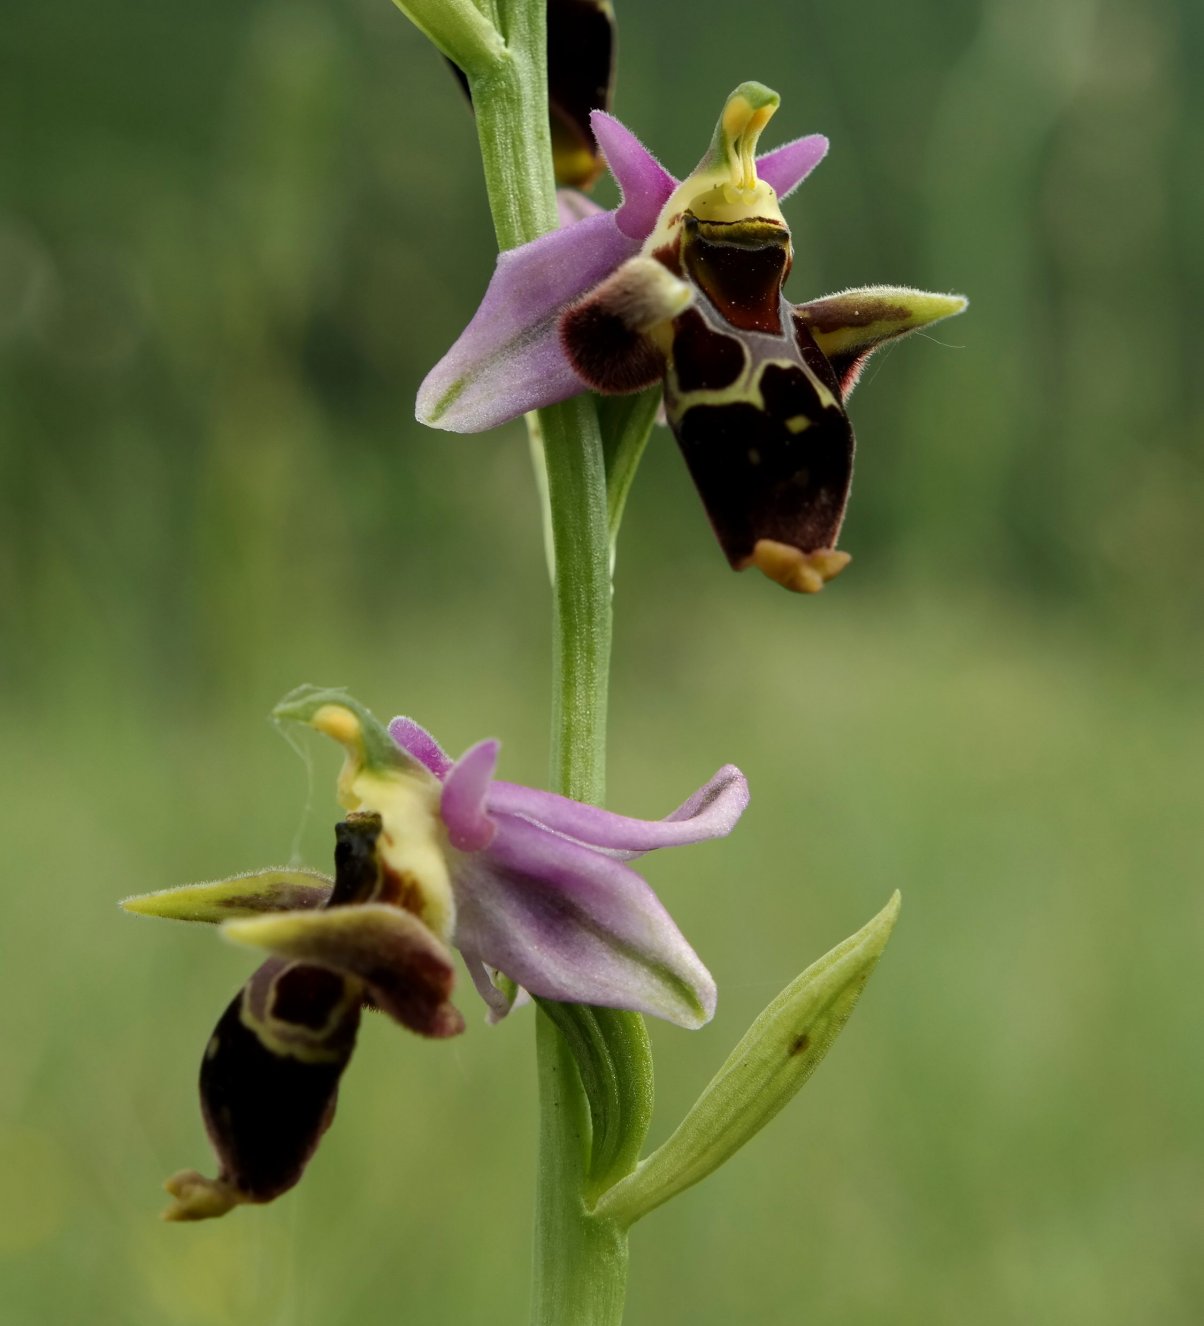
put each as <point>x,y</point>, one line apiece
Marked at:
<point>280,889</point>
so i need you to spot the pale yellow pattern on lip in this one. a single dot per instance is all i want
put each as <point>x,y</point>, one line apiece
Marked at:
<point>747,389</point>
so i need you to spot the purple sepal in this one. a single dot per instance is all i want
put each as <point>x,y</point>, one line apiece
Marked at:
<point>508,359</point>
<point>543,896</point>
<point>645,183</point>
<point>570,923</point>
<point>786,167</point>
<point>710,813</point>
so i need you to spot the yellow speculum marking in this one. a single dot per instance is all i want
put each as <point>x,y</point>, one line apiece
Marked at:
<point>308,1044</point>
<point>747,390</point>
<point>742,391</point>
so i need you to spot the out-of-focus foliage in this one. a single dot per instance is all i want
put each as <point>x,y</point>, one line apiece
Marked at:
<point>232,239</point>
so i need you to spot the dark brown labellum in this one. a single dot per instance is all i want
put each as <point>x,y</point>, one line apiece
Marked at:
<point>754,404</point>
<point>270,1075</point>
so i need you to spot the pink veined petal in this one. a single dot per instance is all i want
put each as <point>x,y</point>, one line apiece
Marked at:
<point>508,359</point>
<point>573,924</point>
<point>786,167</point>
<point>469,827</point>
<point>645,183</point>
<point>419,743</point>
<point>710,813</point>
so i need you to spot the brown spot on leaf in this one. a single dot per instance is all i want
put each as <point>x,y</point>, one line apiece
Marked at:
<point>800,1043</point>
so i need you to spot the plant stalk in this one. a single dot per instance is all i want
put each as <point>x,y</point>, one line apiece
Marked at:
<point>580,1262</point>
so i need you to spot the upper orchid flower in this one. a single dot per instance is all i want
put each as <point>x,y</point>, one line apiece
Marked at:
<point>683,284</point>
<point>531,887</point>
<point>581,71</point>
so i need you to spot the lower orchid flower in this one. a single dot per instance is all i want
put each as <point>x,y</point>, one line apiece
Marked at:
<point>531,887</point>
<point>682,284</point>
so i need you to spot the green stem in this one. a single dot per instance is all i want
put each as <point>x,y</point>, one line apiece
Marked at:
<point>580,1268</point>
<point>580,1272</point>
<point>511,102</point>
<point>576,489</point>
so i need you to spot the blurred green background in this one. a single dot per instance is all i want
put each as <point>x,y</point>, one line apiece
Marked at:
<point>232,239</point>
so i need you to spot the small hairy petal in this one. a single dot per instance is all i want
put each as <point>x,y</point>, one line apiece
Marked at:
<point>606,335</point>
<point>419,743</point>
<point>786,167</point>
<point>647,186</point>
<point>850,325</point>
<point>465,790</point>
<point>508,360</point>
<point>408,972</point>
<point>281,889</point>
<point>711,812</point>
<point>568,922</point>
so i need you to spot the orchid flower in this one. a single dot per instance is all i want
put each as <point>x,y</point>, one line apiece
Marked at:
<point>682,284</point>
<point>534,889</point>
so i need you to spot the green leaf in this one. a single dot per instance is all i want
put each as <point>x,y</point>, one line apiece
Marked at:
<point>777,1054</point>
<point>626,423</point>
<point>614,1059</point>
